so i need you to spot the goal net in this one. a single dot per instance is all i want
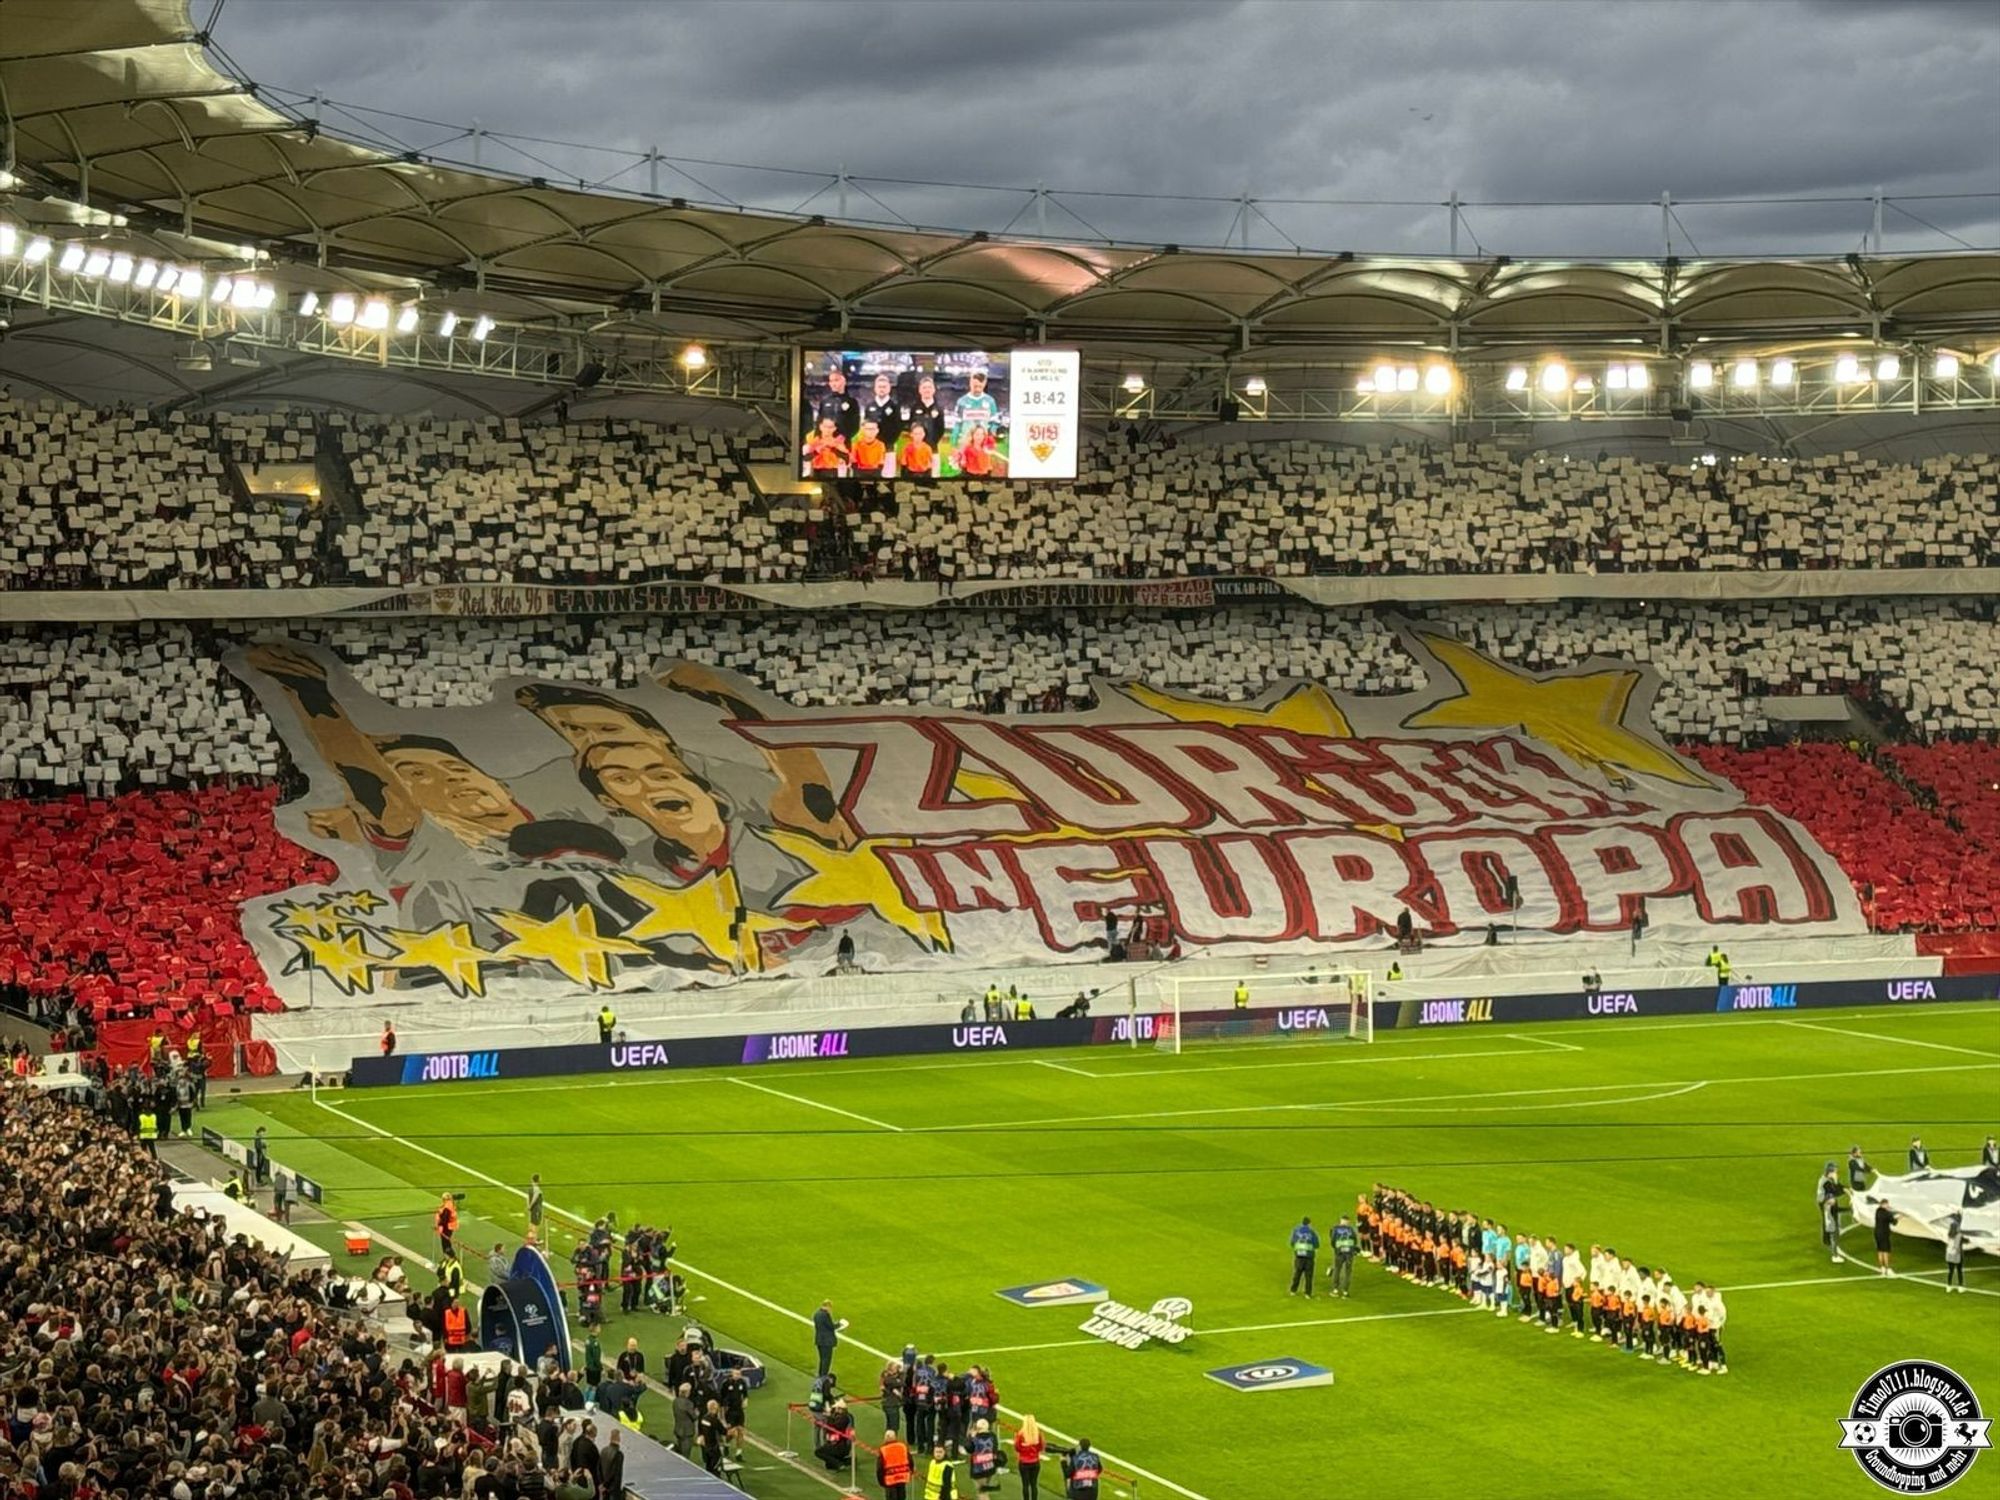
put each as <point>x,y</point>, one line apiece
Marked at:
<point>1302,1005</point>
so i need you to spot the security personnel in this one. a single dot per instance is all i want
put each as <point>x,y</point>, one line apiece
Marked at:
<point>993,1002</point>
<point>457,1327</point>
<point>938,1477</point>
<point>451,1276</point>
<point>1305,1246</point>
<point>1242,995</point>
<point>1082,1469</point>
<point>149,1129</point>
<point>234,1189</point>
<point>1345,1243</point>
<point>607,1018</point>
<point>1024,1008</point>
<point>892,1467</point>
<point>1395,969</point>
<point>1720,961</point>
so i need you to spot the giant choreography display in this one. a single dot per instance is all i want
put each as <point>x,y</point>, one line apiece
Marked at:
<point>693,828</point>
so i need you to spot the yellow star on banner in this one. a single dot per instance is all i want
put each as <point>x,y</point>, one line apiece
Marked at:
<point>365,902</point>
<point>316,918</point>
<point>1582,715</point>
<point>569,942</point>
<point>1306,709</point>
<point>856,877</point>
<point>704,910</point>
<point>343,958</point>
<point>447,949</point>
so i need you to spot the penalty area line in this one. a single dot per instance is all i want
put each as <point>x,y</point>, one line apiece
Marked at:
<point>744,1292</point>
<point>832,1109</point>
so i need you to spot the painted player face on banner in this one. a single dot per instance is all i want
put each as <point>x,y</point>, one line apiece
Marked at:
<point>647,780</point>
<point>452,790</point>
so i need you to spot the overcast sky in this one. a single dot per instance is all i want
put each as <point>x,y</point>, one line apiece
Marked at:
<point>1497,99</point>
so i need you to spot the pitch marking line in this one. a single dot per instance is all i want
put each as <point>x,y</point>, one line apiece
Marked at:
<point>832,1109</point>
<point>1042,1062</point>
<point>744,1292</point>
<point>1543,1041</point>
<point>1429,1312</point>
<point>1876,1036</point>
<point>1390,1105</point>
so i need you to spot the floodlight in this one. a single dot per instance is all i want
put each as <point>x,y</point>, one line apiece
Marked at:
<point>481,328</point>
<point>267,296</point>
<point>121,269</point>
<point>308,304</point>
<point>1743,374</point>
<point>1385,378</point>
<point>1135,383</point>
<point>1946,367</point>
<point>1254,386</point>
<point>72,258</point>
<point>147,273</point>
<point>446,324</point>
<point>694,357</point>
<point>1438,379</point>
<point>340,311</point>
<point>1614,378</point>
<point>1406,378</point>
<point>1636,377</point>
<point>169,276</point>
<point>1555,377</point>
<point>1517,378</point>
<point>189,285</point>
<point>406,320</point>
<point>219,292</point>
<point>1701,375</point>
<point>1847,370</point>
<point>243,295</point>
<point>375,314</point>
<point>9,238</point>
<point>1364,385</point>
<point>1888,367</point>
<point>1583,383</point>
<point>38,250</point>
<point>1784,372</point>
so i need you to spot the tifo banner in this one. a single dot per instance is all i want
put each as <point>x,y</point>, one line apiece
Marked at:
<point>693,828</point>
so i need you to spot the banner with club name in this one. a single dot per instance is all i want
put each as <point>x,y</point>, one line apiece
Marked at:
<point>691,828</point>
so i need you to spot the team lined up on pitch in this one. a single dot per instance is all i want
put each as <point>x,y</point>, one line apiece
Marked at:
<point>1608,1299</point>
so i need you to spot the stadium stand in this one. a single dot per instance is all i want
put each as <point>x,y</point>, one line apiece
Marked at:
<point>124,500</point>
<point>128,904</point>
<point>228,1371</point>
<point>120,499</point>
<point>143,776</point>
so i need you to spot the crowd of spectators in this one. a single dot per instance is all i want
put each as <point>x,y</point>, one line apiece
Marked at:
<point>147,1354</point>
<point>105,708</point>
<point>125,499</point>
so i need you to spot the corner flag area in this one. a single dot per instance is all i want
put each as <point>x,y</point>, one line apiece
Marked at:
<point>908,1193</point>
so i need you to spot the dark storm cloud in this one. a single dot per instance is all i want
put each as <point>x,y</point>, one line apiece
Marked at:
<point>1500,101</point>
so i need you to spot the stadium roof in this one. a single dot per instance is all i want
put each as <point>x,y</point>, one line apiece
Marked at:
<point>117,104</point>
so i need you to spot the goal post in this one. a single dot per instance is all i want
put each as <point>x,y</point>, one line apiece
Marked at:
<point>1315,1004</point>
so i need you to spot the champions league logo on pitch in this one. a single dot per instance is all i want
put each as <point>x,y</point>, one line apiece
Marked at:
<point>1915,1427</point>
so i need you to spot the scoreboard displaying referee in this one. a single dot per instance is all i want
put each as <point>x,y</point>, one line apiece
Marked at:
<point>922,416</point>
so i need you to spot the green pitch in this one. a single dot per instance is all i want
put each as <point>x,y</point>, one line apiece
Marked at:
<point>909,1192</point>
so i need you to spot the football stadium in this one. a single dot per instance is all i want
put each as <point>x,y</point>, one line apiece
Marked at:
<point>668,840</point>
